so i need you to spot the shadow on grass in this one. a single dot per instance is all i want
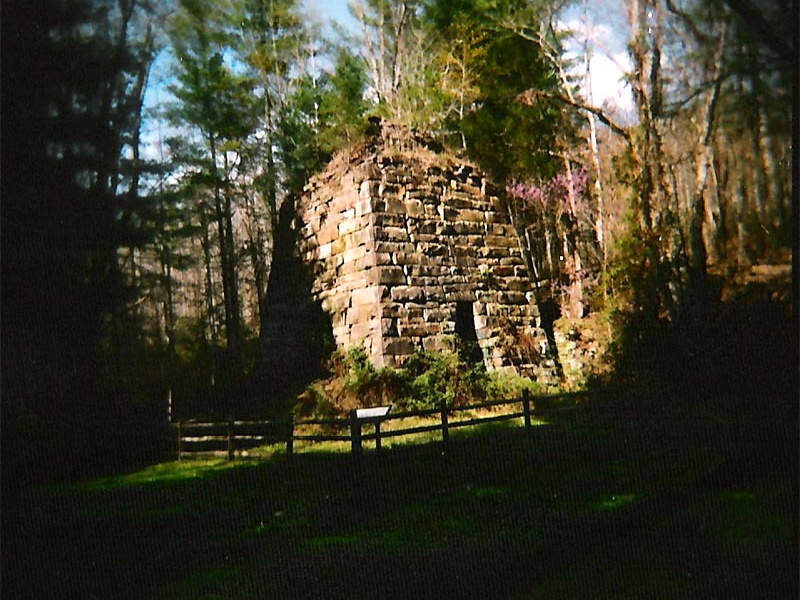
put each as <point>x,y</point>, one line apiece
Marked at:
<point>606,501</point>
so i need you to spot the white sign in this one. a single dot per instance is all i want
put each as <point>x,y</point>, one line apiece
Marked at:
<point>372,413</point>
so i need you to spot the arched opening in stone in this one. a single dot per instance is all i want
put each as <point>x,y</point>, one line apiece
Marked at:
<point>467,335</point>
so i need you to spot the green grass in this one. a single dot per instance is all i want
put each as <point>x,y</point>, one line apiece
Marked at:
<point>400,441</point>
<point>162,474</point>
<point>608,501</point>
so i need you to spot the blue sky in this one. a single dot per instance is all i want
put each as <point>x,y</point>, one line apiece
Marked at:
<point>604,22</point>
<point>330,10</point>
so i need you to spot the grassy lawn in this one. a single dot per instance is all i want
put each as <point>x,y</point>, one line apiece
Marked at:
<point>605,501</point>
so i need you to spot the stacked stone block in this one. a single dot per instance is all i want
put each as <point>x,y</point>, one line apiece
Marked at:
<point>397,239</point>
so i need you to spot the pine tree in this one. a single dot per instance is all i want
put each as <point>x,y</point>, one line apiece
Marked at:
<point>219,105</point>
<point>508,137</point>
<point>71,108</point>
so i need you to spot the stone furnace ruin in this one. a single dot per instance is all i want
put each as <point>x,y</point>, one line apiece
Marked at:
<point>410,248</point>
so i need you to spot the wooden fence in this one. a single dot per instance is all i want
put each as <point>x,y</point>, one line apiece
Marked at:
<point>226,438</point>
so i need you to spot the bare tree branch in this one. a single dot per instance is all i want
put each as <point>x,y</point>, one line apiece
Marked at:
<point>689,21</point>
<point>602,116</point>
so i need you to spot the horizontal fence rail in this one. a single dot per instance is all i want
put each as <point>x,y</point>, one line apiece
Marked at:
<point>226,438</point>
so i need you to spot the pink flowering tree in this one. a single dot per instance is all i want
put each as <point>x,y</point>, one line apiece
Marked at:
<point>549,219</point>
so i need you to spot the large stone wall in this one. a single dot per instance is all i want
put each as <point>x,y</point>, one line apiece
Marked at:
<point>398,238</point>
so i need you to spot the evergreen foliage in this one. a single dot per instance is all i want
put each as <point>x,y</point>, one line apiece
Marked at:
<point>73,75</point>
<point>508,138</point>
<point>343,107</point>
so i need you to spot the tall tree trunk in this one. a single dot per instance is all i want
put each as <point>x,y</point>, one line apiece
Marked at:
<point>698,254</point>
<point>210,302</point>
<point>256,246</point>
<point>653,190</point>
<point>235,326</point>
<point>743,258</point>
<point>230,297</point>
<point>549,252</point>
<point>767,202</point>
<point>108,171</point>
<point>140,87</point>
<point>719,210</point>
<point>169,300</point>
<point>169,318</point>
<point>398,46</point>
<point>600,218</point>
<point>272,177</point>
<point>594,154</point>
<point>572,255</point>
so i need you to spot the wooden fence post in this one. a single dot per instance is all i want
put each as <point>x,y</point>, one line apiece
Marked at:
<point>230,440</point>
<point>377,435</point>
<point>526,408</point>
<point>290,437</point>
<point>180,440</point>
<point>355,432</point>
<point>445,429</point>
